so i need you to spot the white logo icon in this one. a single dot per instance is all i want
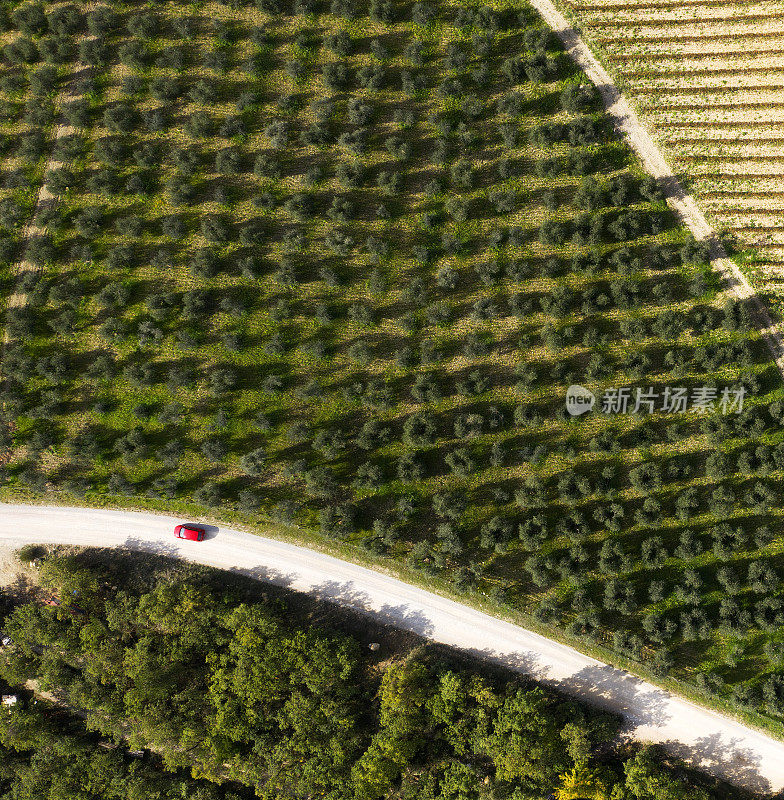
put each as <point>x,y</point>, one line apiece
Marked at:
<point>579,400</point>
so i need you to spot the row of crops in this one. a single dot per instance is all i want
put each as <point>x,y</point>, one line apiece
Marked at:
<point>709,81</point>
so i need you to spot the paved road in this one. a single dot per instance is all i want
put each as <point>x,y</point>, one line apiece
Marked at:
<point>629,126</point>
<point>711,741</point>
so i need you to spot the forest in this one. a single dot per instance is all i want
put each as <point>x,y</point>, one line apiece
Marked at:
<point>334,265</point>
<point>228,693</point>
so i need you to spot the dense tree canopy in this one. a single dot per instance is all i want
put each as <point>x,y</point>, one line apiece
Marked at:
<point>260,702</point>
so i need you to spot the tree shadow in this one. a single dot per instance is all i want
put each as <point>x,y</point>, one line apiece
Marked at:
<point>614,689</point>
<point>265,574</point>
<point>402,616</point>
<point>21,586</point>
<point>345,594</point>
<point>602,686</point>
<point>154,547</point>
<point>724,758</point>
<point>522,661</point>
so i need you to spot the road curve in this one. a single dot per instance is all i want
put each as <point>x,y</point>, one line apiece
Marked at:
<point>707,739</point>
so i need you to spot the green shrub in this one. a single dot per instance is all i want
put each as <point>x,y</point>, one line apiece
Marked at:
<point>30,553</point>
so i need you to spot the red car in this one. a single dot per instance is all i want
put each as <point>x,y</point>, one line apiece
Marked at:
<point>192,532</point>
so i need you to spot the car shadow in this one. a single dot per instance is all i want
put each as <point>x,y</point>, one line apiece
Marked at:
<point>210,531</point>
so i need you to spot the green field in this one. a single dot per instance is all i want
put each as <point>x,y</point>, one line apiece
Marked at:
<point>337,266</point>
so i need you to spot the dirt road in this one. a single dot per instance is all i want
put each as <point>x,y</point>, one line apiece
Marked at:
<point>71,92</point>
<point>715,743</point>
<point>638,138</point>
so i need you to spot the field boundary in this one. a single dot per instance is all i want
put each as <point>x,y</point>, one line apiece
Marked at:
<point>628,124</point>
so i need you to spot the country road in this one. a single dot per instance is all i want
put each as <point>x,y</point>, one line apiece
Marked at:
<point>707,739</point>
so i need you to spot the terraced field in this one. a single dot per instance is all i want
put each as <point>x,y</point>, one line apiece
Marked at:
<point>708,78</point>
